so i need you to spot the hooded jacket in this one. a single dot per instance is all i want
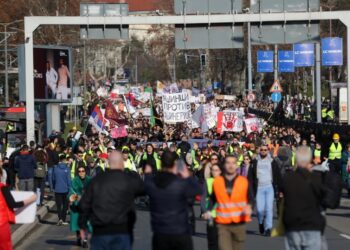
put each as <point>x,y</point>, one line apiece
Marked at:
<point>61,180</point>
<point>169,195</point>
<point>25,165</point>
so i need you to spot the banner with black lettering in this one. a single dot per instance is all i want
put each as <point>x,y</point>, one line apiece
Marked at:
<point>176,107</point>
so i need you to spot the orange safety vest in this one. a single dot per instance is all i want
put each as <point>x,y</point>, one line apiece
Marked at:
<point>230,209</point>
<point>7,215</point>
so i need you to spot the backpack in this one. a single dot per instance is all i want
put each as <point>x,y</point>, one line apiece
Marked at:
<point>40,171</point>
<point>332,190</point>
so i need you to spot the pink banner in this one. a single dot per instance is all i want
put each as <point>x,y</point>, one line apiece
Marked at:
<point>119,132</point>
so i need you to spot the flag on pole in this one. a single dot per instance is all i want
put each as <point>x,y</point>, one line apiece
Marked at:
<point>111,113</point>
<point>96,119</point>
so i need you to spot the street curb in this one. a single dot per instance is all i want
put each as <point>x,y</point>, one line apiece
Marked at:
<point>25,229</point>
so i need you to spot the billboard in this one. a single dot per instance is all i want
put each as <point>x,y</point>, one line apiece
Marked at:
<point>304,54</point>
<point>53,74</point>
<point>332,51</point>
<point>285,61</point>
<point>265,61</point>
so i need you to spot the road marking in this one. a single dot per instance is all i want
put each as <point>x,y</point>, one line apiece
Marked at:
<point>345,236</point>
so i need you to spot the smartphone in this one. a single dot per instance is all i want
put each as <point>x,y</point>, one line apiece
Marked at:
<point>180,165</point>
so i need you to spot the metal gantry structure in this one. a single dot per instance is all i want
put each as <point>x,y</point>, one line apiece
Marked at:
<point>33,22</point>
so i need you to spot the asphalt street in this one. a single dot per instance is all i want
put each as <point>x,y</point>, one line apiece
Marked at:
<point>51,237</point>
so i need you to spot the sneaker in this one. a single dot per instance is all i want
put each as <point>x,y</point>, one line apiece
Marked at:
<point>65,223</point>
<point>59,223</point>
<point>261,228</point>
<point>268,232</point>
<point>85,244</point>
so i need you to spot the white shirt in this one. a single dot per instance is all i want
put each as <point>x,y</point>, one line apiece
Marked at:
<point>3,177</point>
<point>51,76</point>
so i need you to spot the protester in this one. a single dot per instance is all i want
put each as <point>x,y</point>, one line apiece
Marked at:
<point>3,173</point>
<point>25,166</point>
<point>79,183</point>
<point>108,213</point>
<point>334,157</point>
<point>302,191</point>
<point>212,231</point>
<point>40,173</point>
<point>61,183</point>
<point>169,191</point>
<point>346,168</point>
<point>7,215</point>
<point>265,178</point>
<point>233,209</point>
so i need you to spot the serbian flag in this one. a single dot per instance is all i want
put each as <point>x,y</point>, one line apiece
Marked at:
<point>96,119</point>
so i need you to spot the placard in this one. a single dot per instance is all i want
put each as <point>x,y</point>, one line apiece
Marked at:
<point>24,215</point>
<point>176,107</point>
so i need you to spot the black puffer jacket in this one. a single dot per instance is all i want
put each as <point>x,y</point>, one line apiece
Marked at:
<point>169,196</point>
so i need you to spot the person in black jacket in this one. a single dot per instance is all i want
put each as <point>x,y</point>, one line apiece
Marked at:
<point>169,191</point>
<point>108,213</point>
<point>302,191</point>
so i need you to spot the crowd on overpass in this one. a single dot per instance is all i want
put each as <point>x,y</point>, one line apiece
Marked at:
<point>232,167</point>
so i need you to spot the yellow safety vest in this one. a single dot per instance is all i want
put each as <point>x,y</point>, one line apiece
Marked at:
<point>195,162</point>
<point>330,114</point>
<point>128,165</point>
<point>324,113</point>
<point>156,158</point>
<point>210,182</point>
<point>317,156</point>
<point>335,153</point>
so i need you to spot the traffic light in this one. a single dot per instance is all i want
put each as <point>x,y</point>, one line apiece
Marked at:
<point>203,60</point>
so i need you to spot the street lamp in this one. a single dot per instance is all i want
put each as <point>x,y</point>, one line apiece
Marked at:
<point>330,35</point>
<point>5,25</point>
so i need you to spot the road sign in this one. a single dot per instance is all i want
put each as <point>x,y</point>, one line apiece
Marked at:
<point>265,61</point>
<point>285,61</point>
<point>276,97</point>
<point>304,55</point>
<point>332,51</point>
<point>276,87</point>
<point>251,97</point>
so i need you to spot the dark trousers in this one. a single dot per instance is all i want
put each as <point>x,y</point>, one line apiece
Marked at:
<point>335,166</point>
<point>62,205</point>
<point>40,183</point>
<point>172,242</point>
<point>115,241</point>
<point>212,236</point>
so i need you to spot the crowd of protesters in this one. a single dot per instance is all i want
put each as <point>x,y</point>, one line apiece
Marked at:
<point>98,178</point>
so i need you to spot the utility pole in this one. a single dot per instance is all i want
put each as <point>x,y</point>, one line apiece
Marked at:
<point>6,71</point>
<point>250,74</point>
<point>276,63</point>
<point>136,71</point>
<point>84,70</point>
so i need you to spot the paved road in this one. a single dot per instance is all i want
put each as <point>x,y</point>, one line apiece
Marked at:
<point>48,236</point>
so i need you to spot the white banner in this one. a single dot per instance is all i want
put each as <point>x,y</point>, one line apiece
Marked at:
<point>176,107</point>
<point>210,114</point>
<point>253,125</point>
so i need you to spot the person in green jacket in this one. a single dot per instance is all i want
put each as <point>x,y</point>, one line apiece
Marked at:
<point>78,185</point>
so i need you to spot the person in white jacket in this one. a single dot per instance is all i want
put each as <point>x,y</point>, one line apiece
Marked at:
<point>51,78</point>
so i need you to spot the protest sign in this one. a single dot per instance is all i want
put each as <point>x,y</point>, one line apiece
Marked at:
<point>24,215</point>
<point>253,125</point>
<point>177,107</point>
<point>119,132</point>
<point>210,114</point>
<point>229,121</point>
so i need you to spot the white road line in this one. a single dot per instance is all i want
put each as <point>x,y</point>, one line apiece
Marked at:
<point>345,236</point>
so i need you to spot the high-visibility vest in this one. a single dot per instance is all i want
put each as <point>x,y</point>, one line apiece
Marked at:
<point>293,158</point>
<point>240,159</point>
<point>209,182</point>
<point>335,153</point>
<point>128,165</point>
<point>230,209</point>
<point>156,158</point>
<point>324,113</point>
<point>9,127</point>
<point>317,156</point>
<point>330,114</point>
<point>194,160</point>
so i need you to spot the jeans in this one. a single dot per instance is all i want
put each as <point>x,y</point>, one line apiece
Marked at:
<point>303,240</point>
<point>26,184</point>
<point>264,205</point>
<point>212,236</point>
<point>116,241</point>
<point>62,205</point>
